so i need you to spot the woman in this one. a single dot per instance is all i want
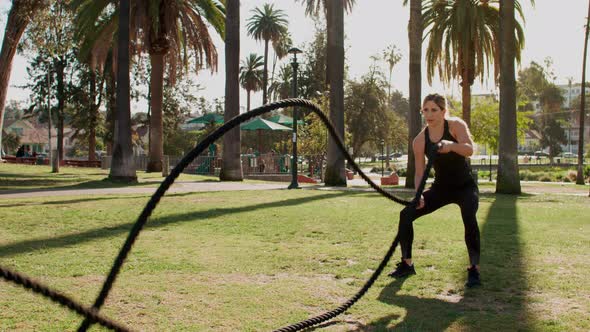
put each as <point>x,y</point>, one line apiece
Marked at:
<point>453,183</point>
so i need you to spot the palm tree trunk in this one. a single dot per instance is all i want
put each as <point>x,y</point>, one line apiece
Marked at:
<point>19,17</point>
<point>265,74</point>
<point>415,88</point>
<point>122,166</point>
<point>156,149</point>
<point>248,99</point>
<point>231,169</point>
<point>580,175</point>
<point>335,175</point>
<point>508,176</point>
<point>466,97</point>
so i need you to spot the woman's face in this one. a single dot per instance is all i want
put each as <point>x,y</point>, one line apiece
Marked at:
<point>432,113</point>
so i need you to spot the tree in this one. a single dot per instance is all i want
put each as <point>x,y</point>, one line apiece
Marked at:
<point>171,32</point>
<point>122,165</point>
<point>392,56</point>
<point>281,88</point>
<point>463,40</point>
<point>580,175</point>
<point>231,170</point>
<point>251,75</point>
<point>268,24</point>
<point>508,180</point>
<point>334,11</point>
<point>281,48</point>
<point>485,126</point>
<point>20,15</point>
<point>553,137</point>
<point>367,112</point>
<point>415,31</point>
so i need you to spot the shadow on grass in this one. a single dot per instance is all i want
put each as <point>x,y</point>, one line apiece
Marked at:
<point>500,304</point>
<point>106,232</point>
<point>61,184</point>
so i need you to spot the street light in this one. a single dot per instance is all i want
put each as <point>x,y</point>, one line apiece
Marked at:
<point>382,157</point>
<point>294,64</point>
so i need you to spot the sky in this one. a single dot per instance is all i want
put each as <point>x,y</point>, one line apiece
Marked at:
<point>553,29</point>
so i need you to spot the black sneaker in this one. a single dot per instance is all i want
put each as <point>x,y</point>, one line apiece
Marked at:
<point>402,270</point>
<point>472,277</point>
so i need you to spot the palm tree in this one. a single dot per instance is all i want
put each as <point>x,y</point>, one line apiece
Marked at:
<point>281,47</point>
<point>334,11</point>
<point>231,169</point>
<point>415,31</point>
<point>392,56</point>
<point>122,165</point>
<point>281,87</point>
<point>463,39</point>
<point>267,24</point>
<point>508,178</point>
<point>168,31</point>
<point>251,76</point>
<point>20,14</point>
<point>580,175</point>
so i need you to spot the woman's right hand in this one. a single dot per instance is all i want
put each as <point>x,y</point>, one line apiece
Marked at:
<point>420,202</point>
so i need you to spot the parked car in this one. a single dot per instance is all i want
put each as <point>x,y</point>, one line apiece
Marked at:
<point>541,154</point>
<point>568,155</point>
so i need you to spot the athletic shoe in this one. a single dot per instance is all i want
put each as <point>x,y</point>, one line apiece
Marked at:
<point>402,270</point>
<point>472,277</point>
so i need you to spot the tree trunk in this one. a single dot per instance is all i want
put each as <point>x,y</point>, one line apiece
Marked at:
<point>122,166</point>
<point>61,101</point>
<point>156,150</point>
<point>231,169</point>
<point>248,100</point>
<point>415,88</point>
<point>580,175</point>
<point>265,74</point>
<point>111,112</point>
<point>466,97</point>
<point>335,175</point>
<point>19,17</point>
<point>508,176</point>
<point>93,117</point>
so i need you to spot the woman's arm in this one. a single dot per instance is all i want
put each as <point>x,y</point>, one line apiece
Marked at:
<point>464,144</point>
<point>419,161</point>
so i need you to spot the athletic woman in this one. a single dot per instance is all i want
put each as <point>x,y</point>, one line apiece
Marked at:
<point>453,183</point>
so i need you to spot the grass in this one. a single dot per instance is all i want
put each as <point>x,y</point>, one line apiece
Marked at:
<point>27,177</point>
<point>250,261</point>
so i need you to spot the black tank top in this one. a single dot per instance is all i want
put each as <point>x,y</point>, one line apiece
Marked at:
<point>451,170</point>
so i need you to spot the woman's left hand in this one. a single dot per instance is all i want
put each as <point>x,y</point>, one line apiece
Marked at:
<point>444,146</point>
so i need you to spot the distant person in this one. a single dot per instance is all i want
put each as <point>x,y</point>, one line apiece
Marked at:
<point>20,152</point>
<point>453,183</point>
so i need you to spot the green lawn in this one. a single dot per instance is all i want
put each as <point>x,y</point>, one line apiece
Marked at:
<point>251,261</point>
<point>19,176</point>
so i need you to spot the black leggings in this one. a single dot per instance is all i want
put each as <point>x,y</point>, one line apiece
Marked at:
<point>435,198</point>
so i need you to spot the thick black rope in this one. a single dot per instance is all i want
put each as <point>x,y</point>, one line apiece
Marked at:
<point>62,299</point>
<point>346,305</point>
<point>186,160</point>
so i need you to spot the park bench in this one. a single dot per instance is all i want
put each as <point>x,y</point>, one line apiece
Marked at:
<point>390,180</point>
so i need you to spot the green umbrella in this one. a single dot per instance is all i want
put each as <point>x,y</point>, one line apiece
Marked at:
<point>259,124</point>
<point>208,118</point>
<point>284,120</point>
<point>262,124</point>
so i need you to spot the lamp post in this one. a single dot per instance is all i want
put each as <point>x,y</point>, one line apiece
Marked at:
<point>294,184</point>
<point>382,158</point>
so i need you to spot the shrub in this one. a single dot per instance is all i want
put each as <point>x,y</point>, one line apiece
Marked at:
<point>545,178</point>
<point>571,176</point>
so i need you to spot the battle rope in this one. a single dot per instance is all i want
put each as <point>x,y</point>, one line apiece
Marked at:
<point>91,315</point>
<point>39,288</point>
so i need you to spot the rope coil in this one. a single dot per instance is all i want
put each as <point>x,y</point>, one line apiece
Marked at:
<point>91,315</point>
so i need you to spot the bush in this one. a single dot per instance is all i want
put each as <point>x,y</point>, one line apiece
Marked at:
<point>571,176</point>
<point>546,178</point>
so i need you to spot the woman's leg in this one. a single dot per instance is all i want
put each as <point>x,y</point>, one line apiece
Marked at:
<point>433,200</point>
<point>469,203</point>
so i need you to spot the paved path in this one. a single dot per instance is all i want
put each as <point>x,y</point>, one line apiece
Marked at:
<point>356,184</point>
